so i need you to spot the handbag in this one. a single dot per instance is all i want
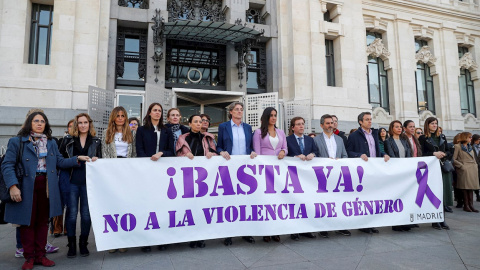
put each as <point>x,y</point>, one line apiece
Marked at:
<point>19,172</point>
<point>447,166</point>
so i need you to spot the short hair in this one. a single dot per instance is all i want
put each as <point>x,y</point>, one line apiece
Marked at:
<point>292,123</point>
<point>91,129</point>
<point>464,136</point>
<point>190,119</point>
<point>232,106</point>
<point>390,128</point>
<point>361,115</point>
<point>173,109</point>
<point>206,116</point>
<point>333,115</point>
<point>133,119</point>
<point>475,137</point>
<point>325,116</point>
<point>426,130</point>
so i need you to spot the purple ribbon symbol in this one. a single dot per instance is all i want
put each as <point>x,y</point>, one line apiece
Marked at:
<point>423,188</point>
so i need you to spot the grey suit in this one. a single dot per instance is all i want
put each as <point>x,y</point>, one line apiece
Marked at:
<point>323,150</point>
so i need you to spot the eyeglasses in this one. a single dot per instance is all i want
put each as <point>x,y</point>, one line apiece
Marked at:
<point>36,121</point>
<point>205,120</point>
<point>419,133</point>
<point>133,124</point>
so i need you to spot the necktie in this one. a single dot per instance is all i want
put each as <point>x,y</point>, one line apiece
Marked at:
<point>300,143</point>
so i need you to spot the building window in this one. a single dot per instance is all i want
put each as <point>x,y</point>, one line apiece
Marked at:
<point>330,62</point>
<point>143,4</point>
<point>40,34</point>
<point>377,78</point>
<point>424,83</point>
<point>253,16</point>
<point>467,91</point>
<point>257,70</point>
<point>201,64</point>
<point>131,64</point>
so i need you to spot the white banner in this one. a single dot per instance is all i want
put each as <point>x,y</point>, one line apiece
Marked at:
<point>139,202</point>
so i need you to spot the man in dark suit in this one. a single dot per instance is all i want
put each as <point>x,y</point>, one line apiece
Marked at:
<point>363,143</point>
<point>330,146</point>
<point>303,147</point>
<point>235,138</point>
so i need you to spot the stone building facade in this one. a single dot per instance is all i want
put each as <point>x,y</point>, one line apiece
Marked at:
<point>400,59</point>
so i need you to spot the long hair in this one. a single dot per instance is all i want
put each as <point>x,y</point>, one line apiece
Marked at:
<point>390,129</point>
<point>110,134</point>
<point>415,140</point>
<point>464,136</point>
<point>292,123</point>
<point>387,132</point>
<point>147,120</point>
<point>74,132</point>
<point>426,130</point>
<point>265,120</point>
<point>27,125</point>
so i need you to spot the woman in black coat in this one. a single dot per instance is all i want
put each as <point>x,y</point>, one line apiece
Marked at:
<point>434,143</point>
<point>398,146</point>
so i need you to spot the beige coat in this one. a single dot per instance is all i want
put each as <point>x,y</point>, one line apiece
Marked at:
<point>467,170</point>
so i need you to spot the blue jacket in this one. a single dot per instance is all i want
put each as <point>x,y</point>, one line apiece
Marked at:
<point>357,144</point>
<point>146,142</point>
<point>309,146</point>
<point>225,137</point>
<point>21,212</point>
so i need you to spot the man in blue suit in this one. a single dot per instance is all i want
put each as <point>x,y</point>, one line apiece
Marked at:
<point>235,138</point>
<point>303,147</point>
<point>363,144</point>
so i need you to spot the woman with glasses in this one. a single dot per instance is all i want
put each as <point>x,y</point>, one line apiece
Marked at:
<point>31,205</point>
<point>80,141</point>
<point>205,122</point>
<point>195,143</point>
<point>435,144</point>
<point>118,140</point>
<point>467,170</point>
<point>418,132</point>
<point>133,123</point>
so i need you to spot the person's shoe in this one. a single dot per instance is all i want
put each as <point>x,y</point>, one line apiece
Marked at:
<point>323,234</point>
<point>49,248</point>
<point>448,209</point>
<point>19,253</point>
<point>416,226</point>
<point>436,226</point>
<point>466,208</point>
<point>201,244</point>
<point>344,232</point>
<point>28,264</point>
<point>123,250</point>
<point>406,228</point>
<point>193,244</point>
<point>267,239</point>
<point>112,250</point>
<point>44,261</point>
<point>397,228</point>
<point>82,245</point>
<point>56,235</point>
<point>146,249</point>
<point>444,226</point>
<point>294,237</point>
<point>249,239</point>
<point>227,241</point>
<point>72,247</point>
<point>308,235</point>
<point>459,205</point>
<point>366,230</point>
<point>162,247</point>
<point>276,238</point>
<point>374,230</point>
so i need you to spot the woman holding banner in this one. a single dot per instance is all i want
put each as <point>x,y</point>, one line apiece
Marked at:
<point>80,141</point>
<point>467,170</point>
<point>31,205</point>
<point>269,140</point>
<point>435,144</point>
<point>398,146</point>
<point>154,140</point>
<point>195,143</point>
<point>118,140</point>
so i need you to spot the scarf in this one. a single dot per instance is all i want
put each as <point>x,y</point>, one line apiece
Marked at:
<point>40,146</point>
<point>467,149</point>
<point>174,128</point>
<point>336,131</point>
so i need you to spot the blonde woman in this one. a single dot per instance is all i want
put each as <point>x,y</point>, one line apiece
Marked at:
<point>118,140</point>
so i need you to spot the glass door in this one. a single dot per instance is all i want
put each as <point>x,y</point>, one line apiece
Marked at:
<point>133,104</point>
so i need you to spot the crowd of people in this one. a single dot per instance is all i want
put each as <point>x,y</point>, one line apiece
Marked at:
<point>62,162</point>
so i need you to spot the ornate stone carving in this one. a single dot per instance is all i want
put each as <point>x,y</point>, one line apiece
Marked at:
<point>377,49</point>
<point>381,116</point>
<point>464,39</point>
<point>422,32</point>
<point>470,121</point>
<point>467,62</point>
<point>143,4</point>
<point>198,10</point>
<point>425,56</point>
<point>375,24</point>
<point>158,28</point>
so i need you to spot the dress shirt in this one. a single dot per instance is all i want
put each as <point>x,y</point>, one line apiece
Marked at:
<point>371,142</point>
<point>239,146</point>
<point>303,141</point>
<point>331,145</point>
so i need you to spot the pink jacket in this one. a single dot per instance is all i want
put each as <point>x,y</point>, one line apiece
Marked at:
<point>264,147</point>
<point>182,148</point>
